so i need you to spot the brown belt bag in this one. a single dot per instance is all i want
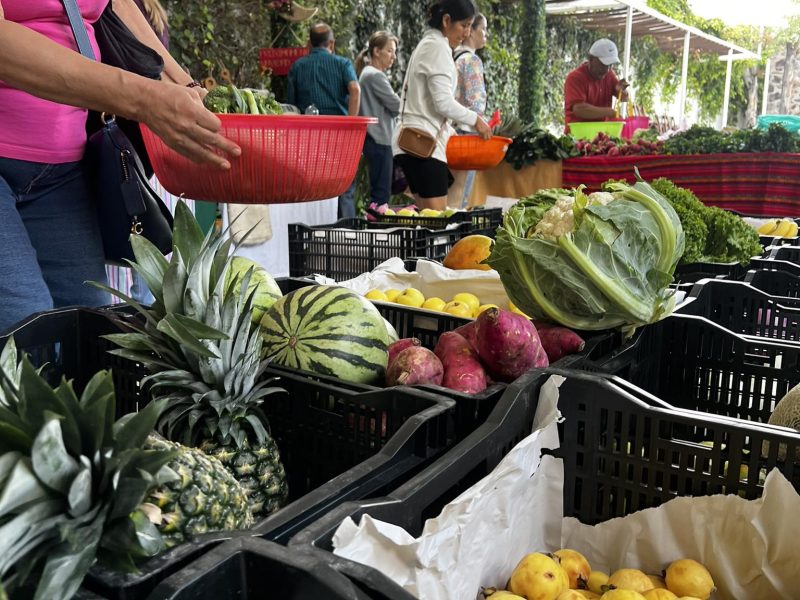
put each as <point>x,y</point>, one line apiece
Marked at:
<point>416,142</point>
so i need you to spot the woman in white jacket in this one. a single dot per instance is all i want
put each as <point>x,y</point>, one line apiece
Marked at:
<point>428,102</point>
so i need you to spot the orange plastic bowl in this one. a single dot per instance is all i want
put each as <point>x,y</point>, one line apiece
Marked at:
<point>471,153</point>
<point>285,158</point>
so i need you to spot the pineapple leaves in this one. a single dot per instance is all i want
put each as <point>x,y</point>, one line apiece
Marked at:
<point>133,431</point>
<point>13,438</point>
<point>174,285</point>
<point>66,567</point>
<point>187,236</point>
<point>172,327</point>
<point>150,264</point>
<point>19,484</point>
<point>51,463</point>
<point>199,329</point>
<point>79,497</point>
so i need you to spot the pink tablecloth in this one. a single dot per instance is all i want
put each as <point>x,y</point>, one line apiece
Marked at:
<point>750,183</point>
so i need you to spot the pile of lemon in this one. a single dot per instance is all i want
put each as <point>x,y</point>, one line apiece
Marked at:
<point>567,575</point>
<point>463,305</point>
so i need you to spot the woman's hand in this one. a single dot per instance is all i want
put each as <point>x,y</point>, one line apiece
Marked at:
<point>483,129</point>
<point>177,115</point>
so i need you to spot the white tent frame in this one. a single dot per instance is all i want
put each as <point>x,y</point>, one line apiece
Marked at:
<point>586,10</point>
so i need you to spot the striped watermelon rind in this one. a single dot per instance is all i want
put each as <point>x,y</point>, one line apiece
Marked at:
<point>267,289</point>
<point>329,330</point>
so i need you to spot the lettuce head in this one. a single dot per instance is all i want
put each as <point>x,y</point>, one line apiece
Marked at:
<point>591,262</point>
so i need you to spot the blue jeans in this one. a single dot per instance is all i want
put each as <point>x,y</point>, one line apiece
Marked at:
<point>347,202</point>
<point>380,170</point>
<point>50,239</point>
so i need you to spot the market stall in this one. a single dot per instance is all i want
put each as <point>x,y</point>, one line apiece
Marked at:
<point>506,182</point>
<point>750,183</point>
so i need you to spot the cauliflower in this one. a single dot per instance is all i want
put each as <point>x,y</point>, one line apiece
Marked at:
<point>601,198</point>
<point>558,220</point>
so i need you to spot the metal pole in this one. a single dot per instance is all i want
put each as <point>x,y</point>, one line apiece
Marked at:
<point>684,79</point>
<point>726,99</point>
<point>626,73</point>
<point>765,98</point>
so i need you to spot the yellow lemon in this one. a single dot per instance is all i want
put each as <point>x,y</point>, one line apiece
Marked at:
<point>411,297</point>
<point>658,581</point>
<point>630,579</point>
<point>596,581</point>
<point>391,295</point>
<point>484,307</point>
<point>376,295</point>
<point>500,595</point>
<point>687,577</point>
<point>538,577</point>
<point>434,304</point>
<point>659,594</point>
<point>470,300</point>
<point>405,212</point>
<point>572,595</point>
<point>458,309</point>
<point>389,212</point>
<point>620,594</point>
<point>430,212</point>
<point>576,566</point>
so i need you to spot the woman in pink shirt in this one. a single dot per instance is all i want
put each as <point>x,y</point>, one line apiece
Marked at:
<point>48,227</point>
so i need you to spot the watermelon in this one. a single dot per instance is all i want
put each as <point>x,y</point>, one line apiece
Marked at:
<point>393,337</point>
<point>267,290</point>
<point>329,330</point>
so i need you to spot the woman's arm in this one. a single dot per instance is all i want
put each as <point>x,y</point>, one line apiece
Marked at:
<point>385,94</point>
<point>441,90</point>
<point>33,63</point>
<point>137,23</point>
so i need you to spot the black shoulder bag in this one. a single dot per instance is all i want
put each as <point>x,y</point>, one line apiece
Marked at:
<point>126,203</point>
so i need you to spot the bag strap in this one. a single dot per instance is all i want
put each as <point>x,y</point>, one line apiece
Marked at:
<point>405,97</point>
<point>79,28</point>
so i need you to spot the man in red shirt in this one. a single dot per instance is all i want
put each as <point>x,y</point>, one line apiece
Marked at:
<point>589,89</point>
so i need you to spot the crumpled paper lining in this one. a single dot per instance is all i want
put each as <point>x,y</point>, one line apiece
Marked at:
<point>470,543</point>
<point>432,279</point>
<point>751,547</point>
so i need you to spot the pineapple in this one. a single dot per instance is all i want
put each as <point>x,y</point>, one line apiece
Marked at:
<point>205,357</point>
<point>205,496</point>
<point>72,481</point>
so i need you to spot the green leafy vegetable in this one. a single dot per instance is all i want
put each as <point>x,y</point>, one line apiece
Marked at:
<point>706,140</point>
<point>590,262</point>
<point>712,234</point>
<point>534,144</point>
<point>225,99</point>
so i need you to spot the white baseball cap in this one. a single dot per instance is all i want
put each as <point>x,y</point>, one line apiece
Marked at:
<point>605,51</point>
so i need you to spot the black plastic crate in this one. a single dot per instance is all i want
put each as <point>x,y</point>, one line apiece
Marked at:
<point>742,308</point>
<point>106,584</point>
<point>623,451</point>
<point>251,569</point>
<point>66,342</point>
<point>786,252</point>
<point>692,363</point>
<point>771,264</point>
<point>471,409</point>
<point>693,272</point>
<point>337,442</point>
<point>350,247</point>
<point>776,283</point>
<point>483,221</point>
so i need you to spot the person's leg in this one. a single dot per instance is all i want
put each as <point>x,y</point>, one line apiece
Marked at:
<point>347,202</point>
<point>435,179</point>
<point>22,287</point>
<point>139,290</point>
<point>382,165</point>
<point>455,194</point>
<point>60,216</point>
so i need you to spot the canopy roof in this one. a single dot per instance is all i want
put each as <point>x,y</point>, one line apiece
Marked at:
<point>611,16</point>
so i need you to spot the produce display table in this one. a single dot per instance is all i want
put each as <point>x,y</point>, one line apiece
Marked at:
<point>506,182</point>
<point>754,184</point>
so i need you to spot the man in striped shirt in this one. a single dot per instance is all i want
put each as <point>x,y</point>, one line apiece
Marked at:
<point>328,82</point>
